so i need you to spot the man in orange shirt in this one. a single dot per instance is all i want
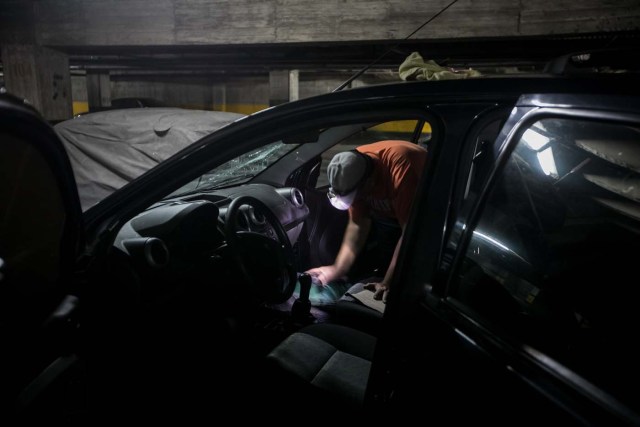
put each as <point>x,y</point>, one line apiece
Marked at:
<point>375,182</point>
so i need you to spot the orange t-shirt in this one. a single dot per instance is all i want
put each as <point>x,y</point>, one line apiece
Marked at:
<point>397,167</point>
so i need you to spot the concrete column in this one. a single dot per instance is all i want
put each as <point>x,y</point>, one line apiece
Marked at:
<point>294,85</point>
<point>219,93</point>
<point>40,75</point>
<point>278,87</point>
<point>98,90</point>
<point>79,94</point>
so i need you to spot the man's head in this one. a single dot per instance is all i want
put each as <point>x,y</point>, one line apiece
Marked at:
<point>346,172</point>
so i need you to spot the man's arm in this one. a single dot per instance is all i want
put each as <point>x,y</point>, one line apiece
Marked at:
<point>355,236</point>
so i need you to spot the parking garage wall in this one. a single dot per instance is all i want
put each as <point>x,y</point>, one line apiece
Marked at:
<point>244,95</point>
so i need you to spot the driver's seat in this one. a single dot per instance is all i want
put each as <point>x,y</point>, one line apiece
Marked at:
<point>332,361</point>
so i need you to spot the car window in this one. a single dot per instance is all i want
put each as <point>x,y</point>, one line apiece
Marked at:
<point>551,261</point>
<point>405,130</point>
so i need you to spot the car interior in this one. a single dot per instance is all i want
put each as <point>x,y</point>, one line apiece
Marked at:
<point>222,263</point>
<point>195,293</point>
<point>203,292</point>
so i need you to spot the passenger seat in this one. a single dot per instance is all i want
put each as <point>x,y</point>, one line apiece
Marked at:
<point>331,360</point>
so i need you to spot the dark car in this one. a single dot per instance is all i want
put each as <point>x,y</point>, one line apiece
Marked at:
<point>514,300</point>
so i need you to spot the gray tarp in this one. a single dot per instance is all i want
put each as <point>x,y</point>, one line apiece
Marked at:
<point>110,148</point>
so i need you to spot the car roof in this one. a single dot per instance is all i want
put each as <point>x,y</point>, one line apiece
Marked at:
<point>490,87</point>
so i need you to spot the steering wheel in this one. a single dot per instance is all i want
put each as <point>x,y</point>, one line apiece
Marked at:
<point>266,264</point>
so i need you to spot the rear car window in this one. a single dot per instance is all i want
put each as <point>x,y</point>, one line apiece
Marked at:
<point>551,262</point>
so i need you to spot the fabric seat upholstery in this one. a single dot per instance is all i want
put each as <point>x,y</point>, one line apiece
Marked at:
<point>356,315</point>
<point>331,358</point>
<point>351,312</point>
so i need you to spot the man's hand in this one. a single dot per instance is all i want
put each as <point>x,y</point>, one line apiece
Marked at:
<point>324,274</point>
<point>380,290</point>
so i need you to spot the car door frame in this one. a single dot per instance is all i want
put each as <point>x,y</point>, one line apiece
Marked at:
<point>49,334</point>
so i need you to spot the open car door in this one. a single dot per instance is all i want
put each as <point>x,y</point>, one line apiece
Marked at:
<point>40,236</point>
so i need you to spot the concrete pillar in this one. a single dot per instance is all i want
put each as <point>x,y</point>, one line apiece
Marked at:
<point>278,87</point>
<point>219,94</point>
<point>40,75</point>
<point>98,90</point>
<point>79,94</point>
<point>294,85</point>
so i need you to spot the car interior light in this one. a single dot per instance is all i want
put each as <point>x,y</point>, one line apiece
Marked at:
<point>547,162</point>
<point>534,140</point>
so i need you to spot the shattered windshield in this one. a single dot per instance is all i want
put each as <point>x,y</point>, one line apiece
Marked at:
<point>238,170</point>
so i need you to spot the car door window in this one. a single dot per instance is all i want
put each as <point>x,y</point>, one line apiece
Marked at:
<point>406,130</point>
<point>550,263</point>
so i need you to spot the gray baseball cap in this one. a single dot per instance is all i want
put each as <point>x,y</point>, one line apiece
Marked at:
<point>346,172</point>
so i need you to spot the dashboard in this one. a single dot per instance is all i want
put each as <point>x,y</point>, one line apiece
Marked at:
<point>174,234</point>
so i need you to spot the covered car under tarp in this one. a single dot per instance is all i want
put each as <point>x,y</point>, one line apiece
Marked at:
<point>110,148</point>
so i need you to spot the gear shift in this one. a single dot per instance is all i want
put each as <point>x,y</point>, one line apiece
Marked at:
<point>300,311</point>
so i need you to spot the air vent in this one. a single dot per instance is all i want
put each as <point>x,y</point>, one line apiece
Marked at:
<point>150,251</point>
<point>257,217</point>
<point>297,198</point>
<point>293,195</point>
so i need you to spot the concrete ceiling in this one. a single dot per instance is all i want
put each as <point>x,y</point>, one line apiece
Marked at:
<point>525,52</point>
<point>250,37</point>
